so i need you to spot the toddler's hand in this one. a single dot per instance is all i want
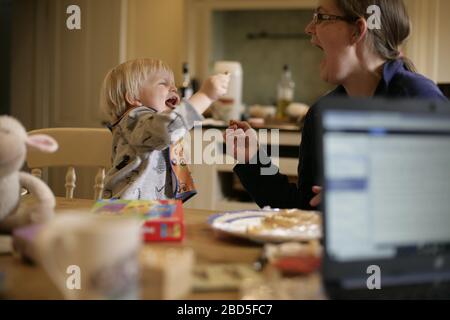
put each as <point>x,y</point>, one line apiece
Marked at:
<point>216,86</point>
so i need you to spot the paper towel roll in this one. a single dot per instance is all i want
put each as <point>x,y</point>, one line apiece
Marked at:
<point>234,93</point>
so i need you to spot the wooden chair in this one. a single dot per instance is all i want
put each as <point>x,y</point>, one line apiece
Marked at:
<point>78,147</point>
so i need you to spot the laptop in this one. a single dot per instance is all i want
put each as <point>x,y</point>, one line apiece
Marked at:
<point>385,168</point>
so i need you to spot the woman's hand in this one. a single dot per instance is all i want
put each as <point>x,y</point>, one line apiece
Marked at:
<point>315,202</point>
<point>241,140</point>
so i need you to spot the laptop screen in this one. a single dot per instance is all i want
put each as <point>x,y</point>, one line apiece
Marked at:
<point>387,181</point>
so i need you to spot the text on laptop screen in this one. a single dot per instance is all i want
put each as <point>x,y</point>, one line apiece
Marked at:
<point>387,179</point>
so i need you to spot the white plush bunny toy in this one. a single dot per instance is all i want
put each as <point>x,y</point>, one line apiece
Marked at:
<point>13,147</point>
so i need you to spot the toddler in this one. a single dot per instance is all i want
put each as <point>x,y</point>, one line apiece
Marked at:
<point>148,122</point>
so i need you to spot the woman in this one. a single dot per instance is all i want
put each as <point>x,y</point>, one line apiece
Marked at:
<point>362,62</point>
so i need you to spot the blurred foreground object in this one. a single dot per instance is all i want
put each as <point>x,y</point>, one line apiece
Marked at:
<point>166,274</point>
<point>295,258</point>
<point>13,148</point>
<point>162,220</point>
<point>223,277</point>
<point>91,257</point>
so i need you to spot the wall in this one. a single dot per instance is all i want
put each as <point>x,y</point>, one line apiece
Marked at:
<point>429,44</point>
<point>156,29</point>
<point>443,57</point>
<point>23,62</point>
<point>262,59</point>
<point>5,59</point>
<point>200,23</point>
<point>57,73</point>
<point>79,62</point>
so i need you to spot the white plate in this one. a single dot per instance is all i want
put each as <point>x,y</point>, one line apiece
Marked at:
<point>238,223</point>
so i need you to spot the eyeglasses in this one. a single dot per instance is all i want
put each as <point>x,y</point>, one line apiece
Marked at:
<point>319,17</point>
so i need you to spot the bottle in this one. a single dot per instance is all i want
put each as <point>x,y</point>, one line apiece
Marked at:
<point>186,86</point>
<point>285,92</point>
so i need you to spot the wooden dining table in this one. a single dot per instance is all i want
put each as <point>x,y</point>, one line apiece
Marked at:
<point>29,281</point>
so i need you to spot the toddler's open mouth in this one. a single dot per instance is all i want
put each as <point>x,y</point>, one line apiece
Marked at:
<point>172,102</point>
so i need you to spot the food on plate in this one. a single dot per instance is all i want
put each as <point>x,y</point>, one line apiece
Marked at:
<point>287,219</point>
<point>269,225</point>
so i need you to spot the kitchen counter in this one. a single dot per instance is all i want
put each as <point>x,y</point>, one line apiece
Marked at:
<point>284,126</point>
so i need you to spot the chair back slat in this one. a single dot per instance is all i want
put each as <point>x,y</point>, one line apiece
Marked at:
<point>37,172</point>
<point>99,183</point>
<point>71,179</point>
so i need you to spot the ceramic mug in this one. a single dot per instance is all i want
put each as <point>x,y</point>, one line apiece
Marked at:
<point>91,257</point>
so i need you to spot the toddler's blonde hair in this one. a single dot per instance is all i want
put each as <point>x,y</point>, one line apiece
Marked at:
<point>127,78</point>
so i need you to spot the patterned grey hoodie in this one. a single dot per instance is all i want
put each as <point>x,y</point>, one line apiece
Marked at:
<point>140,157</point>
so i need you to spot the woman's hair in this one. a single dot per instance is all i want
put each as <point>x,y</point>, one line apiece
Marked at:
<point>127,78</point>
<point>395,26</point>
